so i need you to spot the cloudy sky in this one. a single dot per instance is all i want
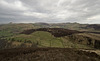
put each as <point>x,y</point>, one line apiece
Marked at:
<point>51,11</point>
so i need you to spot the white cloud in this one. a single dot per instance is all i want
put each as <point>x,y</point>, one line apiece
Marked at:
<point>17,5</point>
<point>35,14</point>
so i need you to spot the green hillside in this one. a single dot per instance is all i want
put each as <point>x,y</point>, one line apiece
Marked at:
<point>11,34</point>
<point>42,39</point>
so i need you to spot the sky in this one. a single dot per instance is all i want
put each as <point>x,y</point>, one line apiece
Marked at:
<point>50,11</point>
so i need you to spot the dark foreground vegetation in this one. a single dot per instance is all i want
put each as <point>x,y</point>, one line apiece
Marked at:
<point>47,54</point>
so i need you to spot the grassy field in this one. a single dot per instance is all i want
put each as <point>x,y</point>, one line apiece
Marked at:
<point>41,38</point>
<point>44,39</point>
<point>10,32</point>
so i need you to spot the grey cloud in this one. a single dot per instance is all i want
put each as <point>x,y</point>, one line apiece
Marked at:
<point>82,11</point>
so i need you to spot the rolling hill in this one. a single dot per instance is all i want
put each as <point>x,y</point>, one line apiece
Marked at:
<point>53,37</point>
<point>49,42</point>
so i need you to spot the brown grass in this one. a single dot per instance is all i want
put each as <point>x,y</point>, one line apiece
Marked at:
<point>47,54</point>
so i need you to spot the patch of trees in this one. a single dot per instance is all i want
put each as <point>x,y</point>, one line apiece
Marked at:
<point>85,41</point>
<point>57,32</point>
<point>2,43</point>
<point>94,26</point>
<point>97,44</point>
